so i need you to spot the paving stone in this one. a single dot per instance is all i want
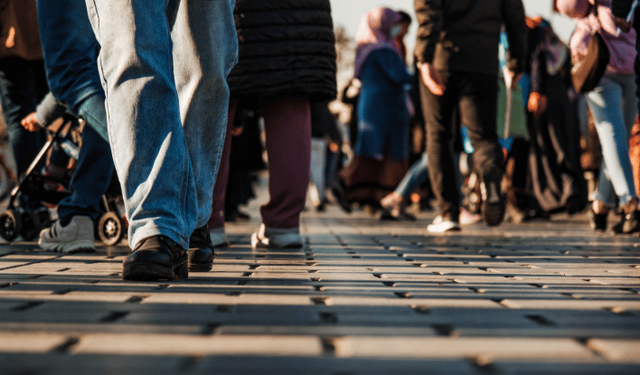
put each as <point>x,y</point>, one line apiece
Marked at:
<point>252,299</point>
<point>185,345</point>
<point>32,342</point>
<point>439,347</point>
<point>626,351</point>
<point>585,367</point>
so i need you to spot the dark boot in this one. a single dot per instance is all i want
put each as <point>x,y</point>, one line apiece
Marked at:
<point>156,258</point>
<point>200,250</point>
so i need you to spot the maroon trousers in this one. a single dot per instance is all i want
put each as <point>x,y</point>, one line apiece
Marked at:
<point>287,124</point>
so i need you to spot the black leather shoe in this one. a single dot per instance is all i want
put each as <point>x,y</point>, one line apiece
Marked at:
<point>156,258</point>
<point>200,250</point>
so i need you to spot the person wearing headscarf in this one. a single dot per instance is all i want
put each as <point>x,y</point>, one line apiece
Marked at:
<point>381,149</point>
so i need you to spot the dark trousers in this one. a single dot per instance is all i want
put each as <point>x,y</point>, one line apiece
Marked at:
<point>22,85</point>
<point>476,97</point>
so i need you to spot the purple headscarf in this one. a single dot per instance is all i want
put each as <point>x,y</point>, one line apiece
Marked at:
<point>374,34</point>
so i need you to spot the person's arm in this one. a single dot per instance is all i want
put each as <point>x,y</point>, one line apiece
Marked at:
<point>430,15</point>
<point>574,8</point>
<point>49,110</point>
<point>620,10</point>
<point>516,29</point>
<point>393,66</point>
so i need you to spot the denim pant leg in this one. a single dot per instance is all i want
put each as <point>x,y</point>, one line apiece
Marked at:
<point>205,48</point>
<point>150,147</point>
<point>614,106</point>
<point>417,174</point>
<point>95,165</point>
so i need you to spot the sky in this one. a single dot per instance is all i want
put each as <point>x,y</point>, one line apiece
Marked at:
<point>347,13</point>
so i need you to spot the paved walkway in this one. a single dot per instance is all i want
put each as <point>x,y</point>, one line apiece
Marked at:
<point>362,297</point>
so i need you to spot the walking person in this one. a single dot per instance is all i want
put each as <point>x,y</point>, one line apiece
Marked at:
<point>287,61</point>
<point>613,104</point>
<point>23,85</point>
<point>70,56</point>
<point>457,49</point>
<point>381,150</point>
<point>164,66</point>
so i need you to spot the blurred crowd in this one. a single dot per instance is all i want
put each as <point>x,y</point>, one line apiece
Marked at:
<point>481,122</point>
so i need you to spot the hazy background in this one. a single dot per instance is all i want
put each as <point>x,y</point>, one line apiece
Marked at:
<point>347,13</point>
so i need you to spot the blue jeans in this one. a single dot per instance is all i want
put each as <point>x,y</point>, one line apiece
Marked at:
<point>163,66</point>
<point>94,168</point>
<point>417,174</point>
<point>613,104</point>
<point>71,53</point>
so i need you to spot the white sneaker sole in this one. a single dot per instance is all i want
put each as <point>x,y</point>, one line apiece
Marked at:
<point>73,247</point>
<point>442,227</point>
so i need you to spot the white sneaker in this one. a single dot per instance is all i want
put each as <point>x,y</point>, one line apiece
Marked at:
<point>75,237</point>
<point>276,238</point>
<point>218,237</point>
<point>441,225</point>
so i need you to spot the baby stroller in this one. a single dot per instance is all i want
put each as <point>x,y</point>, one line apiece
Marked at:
<point>15,221</point>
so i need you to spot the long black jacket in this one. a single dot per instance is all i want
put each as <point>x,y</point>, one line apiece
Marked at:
<point>463,35</point>
<point>286,48</point>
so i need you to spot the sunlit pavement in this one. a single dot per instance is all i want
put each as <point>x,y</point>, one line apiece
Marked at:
<point>362,297</point>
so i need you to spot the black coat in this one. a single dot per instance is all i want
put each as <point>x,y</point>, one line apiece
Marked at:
<point>286,48</point>
<point>464,35</point>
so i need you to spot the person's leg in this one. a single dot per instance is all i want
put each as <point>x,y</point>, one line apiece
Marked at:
<point>145,129</point>
<point>438,112</point>
<point>204,51</point>
<point>216,220</point>
<point>605,103</point>
<point>19,98</point>
<point>288,143</point>
<point>417,175</point>
<point>77,213</point>
<point>478,111</point>
<point>318,159</point>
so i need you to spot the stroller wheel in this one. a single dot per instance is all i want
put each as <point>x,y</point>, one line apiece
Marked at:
<point>31,225</point>
<point>10,225</point>
<point>110,228</point>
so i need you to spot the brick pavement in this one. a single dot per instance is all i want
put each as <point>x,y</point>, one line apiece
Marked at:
<point>362,297</point>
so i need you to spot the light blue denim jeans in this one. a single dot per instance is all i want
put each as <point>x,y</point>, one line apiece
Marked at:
<point>416,176</point>
<point>613,104</point>
<point>163,66</point>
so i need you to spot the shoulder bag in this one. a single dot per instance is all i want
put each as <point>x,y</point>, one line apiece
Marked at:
<point>587,72</point>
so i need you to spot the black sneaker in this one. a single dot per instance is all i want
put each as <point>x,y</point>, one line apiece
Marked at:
<point>200,250</point>
<point>156,258</point>
<point>492,200</point>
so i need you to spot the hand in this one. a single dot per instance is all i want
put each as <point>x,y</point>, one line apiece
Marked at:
<point>515,78</point>
<point>236,130</point>
<point>622,24</point>
<point>537,103</point>
<point>432,79</point>
<point>31,122</point>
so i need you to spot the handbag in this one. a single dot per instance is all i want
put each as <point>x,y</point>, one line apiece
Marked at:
<point>588,70</point>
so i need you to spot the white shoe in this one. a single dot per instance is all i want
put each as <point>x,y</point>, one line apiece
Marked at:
<point>441,225</point>
<point>75,237</point>
<point>218,237</point>
<point>276,238</point>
